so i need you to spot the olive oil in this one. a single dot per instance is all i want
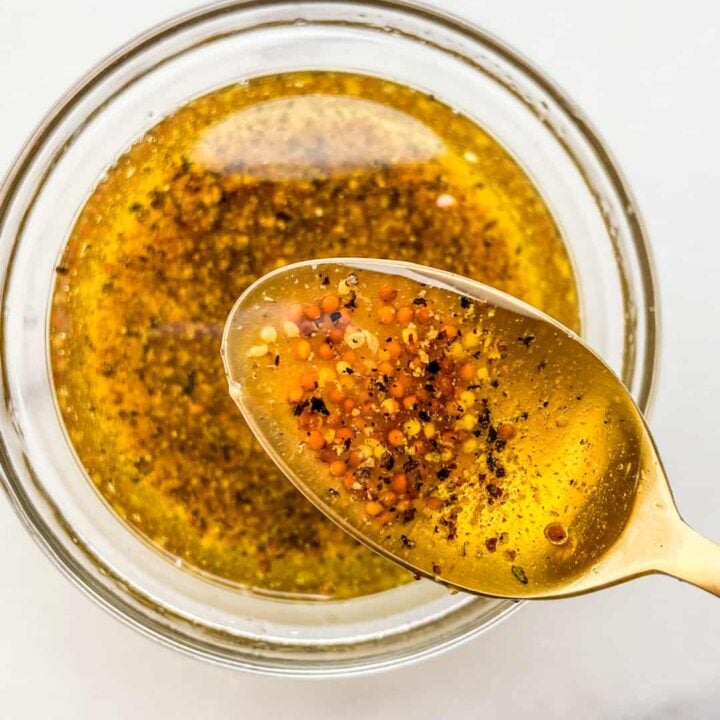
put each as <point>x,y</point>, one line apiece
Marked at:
<point>476,443</point>
<point>234,184</point>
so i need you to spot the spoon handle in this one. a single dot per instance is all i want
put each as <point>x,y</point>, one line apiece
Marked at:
<point>694,559</point>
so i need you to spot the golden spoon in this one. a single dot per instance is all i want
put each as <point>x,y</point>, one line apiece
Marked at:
<point>456,430</point>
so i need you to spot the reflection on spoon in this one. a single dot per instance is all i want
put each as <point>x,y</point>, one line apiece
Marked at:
<point>456,430</point>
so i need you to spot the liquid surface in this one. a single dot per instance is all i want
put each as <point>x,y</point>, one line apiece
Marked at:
<point>233,185</point>
<point>478,445</point>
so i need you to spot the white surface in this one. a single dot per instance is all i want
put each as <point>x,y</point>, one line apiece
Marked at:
<point>646,73</point>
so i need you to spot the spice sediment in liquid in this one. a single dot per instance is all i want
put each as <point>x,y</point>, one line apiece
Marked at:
<point>232,185</point>
<point>478,444</point>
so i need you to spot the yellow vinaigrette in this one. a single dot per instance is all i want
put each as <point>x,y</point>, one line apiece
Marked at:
<point>476,444</point>
<point>232,185</point>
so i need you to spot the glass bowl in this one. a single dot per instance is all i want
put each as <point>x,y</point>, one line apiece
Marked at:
<point>112,107</point>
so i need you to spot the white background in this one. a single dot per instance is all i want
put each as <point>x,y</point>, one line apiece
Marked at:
<point>647,73</point>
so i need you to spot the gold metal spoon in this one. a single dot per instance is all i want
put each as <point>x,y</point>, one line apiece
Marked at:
<point>456,430</point>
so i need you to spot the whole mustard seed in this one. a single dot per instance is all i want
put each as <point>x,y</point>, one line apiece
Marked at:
<point>231,186</point>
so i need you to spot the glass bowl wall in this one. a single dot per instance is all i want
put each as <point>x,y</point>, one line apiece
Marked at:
<point>112,107</point>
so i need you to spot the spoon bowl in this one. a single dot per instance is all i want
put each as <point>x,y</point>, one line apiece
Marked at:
<point>532,475</point>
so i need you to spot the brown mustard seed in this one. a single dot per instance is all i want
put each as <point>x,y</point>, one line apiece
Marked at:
<point>556,533</point>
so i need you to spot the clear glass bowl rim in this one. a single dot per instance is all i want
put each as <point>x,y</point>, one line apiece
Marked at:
<point>647,373</point>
